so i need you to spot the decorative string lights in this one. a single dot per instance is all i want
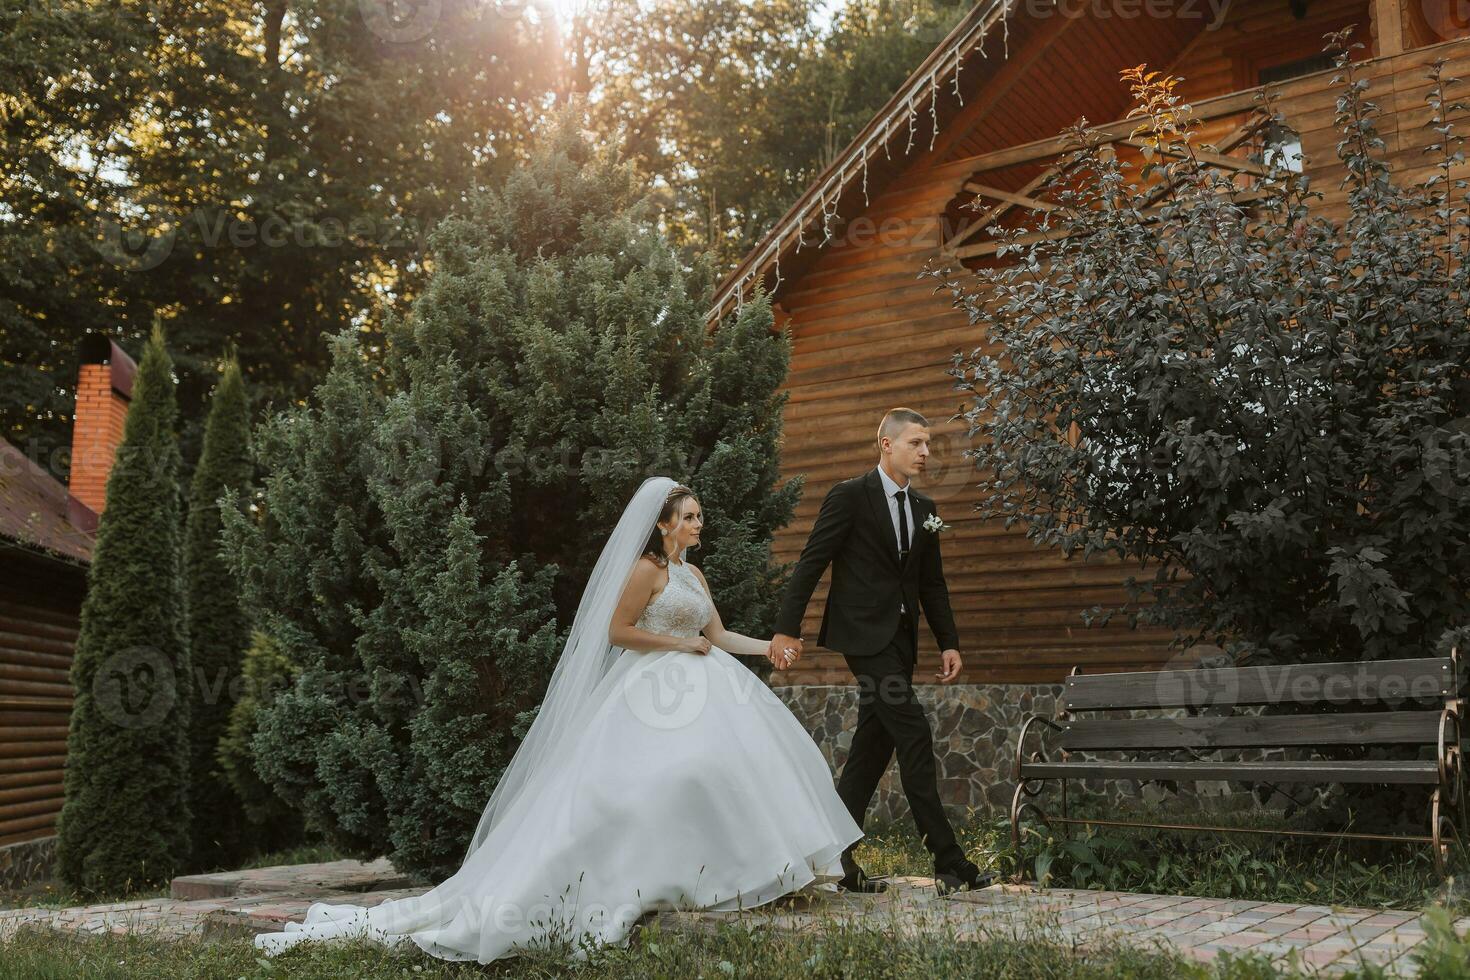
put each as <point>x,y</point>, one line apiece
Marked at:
<point>962,42</point>
<point>934,108</point>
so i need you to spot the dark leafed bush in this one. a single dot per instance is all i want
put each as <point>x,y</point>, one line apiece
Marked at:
<point>1273,402</point>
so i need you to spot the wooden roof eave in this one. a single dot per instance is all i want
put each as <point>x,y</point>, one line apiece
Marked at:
<point>966,36</point>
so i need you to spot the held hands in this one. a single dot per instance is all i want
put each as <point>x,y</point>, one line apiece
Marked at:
<point>783,651</point>
<point>951,666</point>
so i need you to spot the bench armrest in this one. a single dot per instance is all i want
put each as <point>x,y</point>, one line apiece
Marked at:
<point>1021,738</point>
<point>1448,753</point>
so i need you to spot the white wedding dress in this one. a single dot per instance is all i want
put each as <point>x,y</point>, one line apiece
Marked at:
<point>691,786</point>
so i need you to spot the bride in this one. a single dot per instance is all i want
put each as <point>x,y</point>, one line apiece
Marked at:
<point>660,773</point>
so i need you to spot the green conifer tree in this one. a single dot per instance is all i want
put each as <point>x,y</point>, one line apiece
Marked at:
<point>271,824</point>
<point>125,822</point>
<point>428,522</point>
<point>217,628</point>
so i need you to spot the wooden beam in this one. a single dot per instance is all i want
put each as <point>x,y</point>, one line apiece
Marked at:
<point>1009,200</point>
<point>953,248</point>
<point>1388,27</point>
<point>1150,215</point>
<point>990,248</point>
<point>1220,160</point>
<point>1417,32</point>
<point>1252,126</point>
<point>993,215</point>
<point>1021,200</point>
<point>1224,105</point>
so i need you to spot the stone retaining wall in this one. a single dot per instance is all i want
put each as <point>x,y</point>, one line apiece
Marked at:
<point>28,861</point>
<point>974,726</point>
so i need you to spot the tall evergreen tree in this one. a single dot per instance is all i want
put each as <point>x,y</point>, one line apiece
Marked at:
<point>217,628</point>
<point>125,822</point>
<point>427,524</point>
<point>271,824</point>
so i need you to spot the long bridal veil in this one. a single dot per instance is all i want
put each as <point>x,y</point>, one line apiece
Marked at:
<point>585,660</point>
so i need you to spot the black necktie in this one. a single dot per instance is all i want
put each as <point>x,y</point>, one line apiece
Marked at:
<point>903,525</point>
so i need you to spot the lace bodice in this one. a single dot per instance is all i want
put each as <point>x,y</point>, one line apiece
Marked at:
<point>682,608</point>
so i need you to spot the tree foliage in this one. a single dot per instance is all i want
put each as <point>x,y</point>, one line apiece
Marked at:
<point>125,821</point>
<point>217,628</point>
<point>271,824</point>
<point>734,107</point>
<point>264,173</point>
<point>428,521</point>
<point>257,173</point>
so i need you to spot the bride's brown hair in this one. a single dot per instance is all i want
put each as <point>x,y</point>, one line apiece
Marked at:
<point>673,504</point>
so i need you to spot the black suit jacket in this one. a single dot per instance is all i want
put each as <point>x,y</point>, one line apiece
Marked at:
<point>855,534</point>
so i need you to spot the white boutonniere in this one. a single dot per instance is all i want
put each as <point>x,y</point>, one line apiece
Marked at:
<point>934,525</point>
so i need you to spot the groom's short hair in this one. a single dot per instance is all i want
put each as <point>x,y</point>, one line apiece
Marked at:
<point>894,421</point>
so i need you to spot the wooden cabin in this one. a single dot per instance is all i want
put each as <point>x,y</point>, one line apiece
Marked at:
<point>965,142</point>
<point>47,533</point>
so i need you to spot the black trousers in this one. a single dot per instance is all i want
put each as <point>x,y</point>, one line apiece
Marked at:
<point>891,719</point>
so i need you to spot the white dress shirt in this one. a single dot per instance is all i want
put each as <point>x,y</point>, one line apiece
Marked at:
<point>889,489</point>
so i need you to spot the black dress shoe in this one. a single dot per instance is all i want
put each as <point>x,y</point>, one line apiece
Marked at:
<point>857,880</point>
<point>967,877</point>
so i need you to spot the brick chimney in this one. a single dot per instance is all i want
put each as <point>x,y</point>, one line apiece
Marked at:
<point>104,389</point>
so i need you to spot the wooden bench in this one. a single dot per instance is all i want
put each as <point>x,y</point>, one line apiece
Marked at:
<point>1413,704</point>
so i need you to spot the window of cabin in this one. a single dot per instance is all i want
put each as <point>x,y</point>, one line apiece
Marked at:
<point>1295,68</point>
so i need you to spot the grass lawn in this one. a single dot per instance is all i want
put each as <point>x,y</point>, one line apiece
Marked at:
<point>1209,865</point>
<point>836,952</point>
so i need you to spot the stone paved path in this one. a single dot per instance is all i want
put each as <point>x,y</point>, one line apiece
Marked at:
<point>1323,938</point>
<point>199,906</point>
<point>1327,940</point>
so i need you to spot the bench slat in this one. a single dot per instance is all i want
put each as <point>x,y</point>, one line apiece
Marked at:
<point>1335,683</point>
<point>1372,728</point>
<point>1325,771</point>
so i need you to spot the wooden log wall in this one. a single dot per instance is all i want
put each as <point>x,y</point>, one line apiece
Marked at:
<point>39,608</point>
<point>869,334</point>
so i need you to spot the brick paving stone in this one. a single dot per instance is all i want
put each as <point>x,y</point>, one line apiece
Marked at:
<point>1391,917</point>
<point>1318,957</point>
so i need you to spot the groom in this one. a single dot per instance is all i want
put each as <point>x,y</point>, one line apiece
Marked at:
<point>885,567</point>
